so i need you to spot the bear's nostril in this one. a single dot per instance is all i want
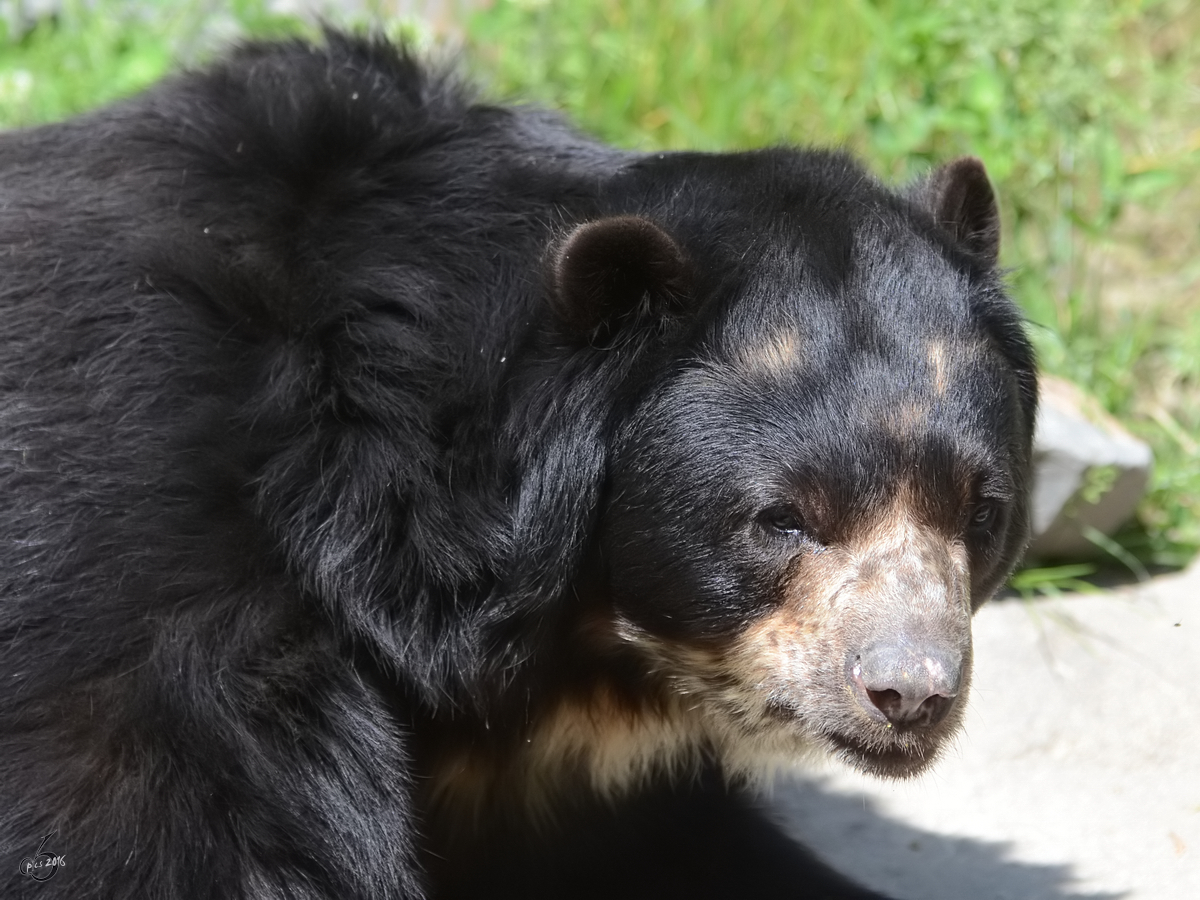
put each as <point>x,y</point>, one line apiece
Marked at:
<point>909,711</point>
<point>886,700</point>
<point>934,709</point>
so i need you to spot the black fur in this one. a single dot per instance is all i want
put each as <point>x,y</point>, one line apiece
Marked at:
<point>321,460</point>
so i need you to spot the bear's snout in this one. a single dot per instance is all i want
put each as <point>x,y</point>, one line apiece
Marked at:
<point>910,685</point>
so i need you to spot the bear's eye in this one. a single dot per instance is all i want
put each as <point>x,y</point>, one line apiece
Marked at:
<point>984,516</point>
<point>783,520</point>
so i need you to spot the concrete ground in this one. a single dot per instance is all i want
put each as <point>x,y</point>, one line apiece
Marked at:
<point>1077,776</point>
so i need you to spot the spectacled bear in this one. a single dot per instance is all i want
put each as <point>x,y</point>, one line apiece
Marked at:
<point>407,497</point>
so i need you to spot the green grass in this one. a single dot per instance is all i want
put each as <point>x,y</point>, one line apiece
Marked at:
<point>1085,111</point>
<point>92,53</point>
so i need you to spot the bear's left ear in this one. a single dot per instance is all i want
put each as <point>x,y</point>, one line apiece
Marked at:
<point>608,271</point>
<point>960,198</point>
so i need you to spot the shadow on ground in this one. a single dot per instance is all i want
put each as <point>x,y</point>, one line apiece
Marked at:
<point>908,863</point>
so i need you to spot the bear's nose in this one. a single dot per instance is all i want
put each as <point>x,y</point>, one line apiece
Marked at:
<point>910,685</point>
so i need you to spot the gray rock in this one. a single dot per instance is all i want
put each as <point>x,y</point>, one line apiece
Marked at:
<point>1090,474</point>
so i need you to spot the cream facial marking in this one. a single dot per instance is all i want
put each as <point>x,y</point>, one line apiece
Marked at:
<point>939,365</point>
<point>897,581</point>
<point>776,355</point>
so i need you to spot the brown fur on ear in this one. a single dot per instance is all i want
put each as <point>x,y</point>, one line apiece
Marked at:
<point>610,269</point>
<point>960,198</point>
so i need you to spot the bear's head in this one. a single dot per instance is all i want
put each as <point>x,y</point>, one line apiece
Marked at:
<point>826,471</point>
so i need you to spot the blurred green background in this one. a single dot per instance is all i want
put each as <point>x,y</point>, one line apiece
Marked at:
<point>1086,112</point>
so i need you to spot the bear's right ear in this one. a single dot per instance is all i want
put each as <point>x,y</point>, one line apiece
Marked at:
<point>610,271</point>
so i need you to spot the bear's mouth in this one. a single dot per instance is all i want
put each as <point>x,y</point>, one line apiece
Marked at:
<point>898,755</point>
<point>875,748</point>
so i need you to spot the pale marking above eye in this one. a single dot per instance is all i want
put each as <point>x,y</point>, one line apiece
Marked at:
<point>775,355</point>
<point>939,362</point>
